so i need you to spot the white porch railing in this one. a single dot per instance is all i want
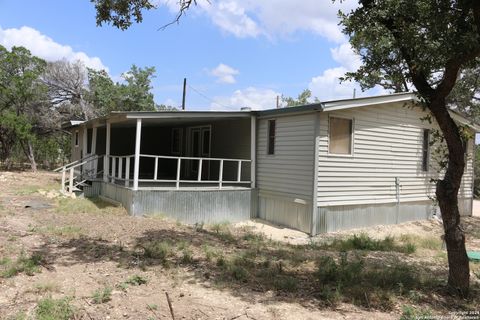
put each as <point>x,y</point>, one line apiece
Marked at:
<point>78,173</point>
<point>119,168</point>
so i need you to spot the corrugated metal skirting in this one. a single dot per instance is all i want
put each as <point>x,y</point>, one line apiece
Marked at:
<point>188,206</point>
<point>357,216</point>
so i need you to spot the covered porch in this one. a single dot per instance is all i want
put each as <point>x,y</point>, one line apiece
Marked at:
<point>159,162</point>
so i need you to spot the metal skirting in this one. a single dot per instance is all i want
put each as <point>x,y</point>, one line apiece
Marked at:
<point>285,211</point>
<point>336,218</point>
<point>187,206</point>
<point>93,191</point>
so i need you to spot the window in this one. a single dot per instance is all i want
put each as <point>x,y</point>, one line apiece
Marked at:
<point>425,149</point>
<point>271,136</point>
<point>340,136</point>
<point>76,138</point>
<point>177,138</point>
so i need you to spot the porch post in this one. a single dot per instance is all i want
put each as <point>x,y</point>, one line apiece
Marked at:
<point>106,164</point>
<point>84,142</point>
<point>253,151</point>
<point>94,149</point>
<point>136,164</point>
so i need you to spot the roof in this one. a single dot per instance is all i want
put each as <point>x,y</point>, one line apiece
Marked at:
<point>326,106</point>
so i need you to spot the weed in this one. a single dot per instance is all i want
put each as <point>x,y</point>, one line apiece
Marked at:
<point>54,309</point>
<point>424,242</point>
<point>411,313</point>
<point>136,280</point>
<point>198,226</point>
<point>286,283</point>
<point>239,273</point>
<point>28,265</point>
<point>160,250</point>
<point>102,295</point>
<point>365,242</point>
<point>209,252</point>
<point>152,306</point>
<point>46,287</point>
<point>221,262</point>
<point>187,256</point>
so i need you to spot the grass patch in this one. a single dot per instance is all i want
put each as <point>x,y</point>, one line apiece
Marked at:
<point>158,250</point>
<point>366,243</point>
<point>27,190</point>
<point>23,264</point>
<point>65,231</point>
<point>430,243</point>
<point>54,309</point>
<point>136,280</point>
<point>42,288</point>
<point>102,295</point>
<point>367,285</point>
<point>81,205</point>
<point>411,313</point>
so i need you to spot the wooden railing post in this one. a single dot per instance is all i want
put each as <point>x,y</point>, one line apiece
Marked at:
<point>70,183</point>
<point>220,175</point>
<point>120,167</point>
<point>155,170</point>
<point>136,165</point>
<point>105,168</point>
<point>64,173</point>
<point>239,173</point>
<point>179,165</point>
<point>127,171</point>
<point>114,168</point>
<point>200,166</point>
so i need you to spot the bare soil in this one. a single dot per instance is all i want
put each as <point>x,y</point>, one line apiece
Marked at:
<point>85,248</point>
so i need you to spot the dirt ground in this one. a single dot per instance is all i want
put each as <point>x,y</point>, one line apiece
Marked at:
<point>87,246</point>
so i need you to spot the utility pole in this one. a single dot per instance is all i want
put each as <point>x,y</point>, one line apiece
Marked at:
<point>278,101</point>
<point>184,93</point>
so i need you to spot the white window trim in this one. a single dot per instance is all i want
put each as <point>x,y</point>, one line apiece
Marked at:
<point>352,145</point>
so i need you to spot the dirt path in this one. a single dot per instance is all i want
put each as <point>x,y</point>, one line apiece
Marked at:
<point>86,247</point>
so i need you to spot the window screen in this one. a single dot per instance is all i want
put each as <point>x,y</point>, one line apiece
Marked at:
<point>340,136</point>
<point>271,136</point>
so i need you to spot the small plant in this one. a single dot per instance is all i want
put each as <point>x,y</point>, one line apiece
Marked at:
<point>411,313</point>
<point>198,226</point>
<point>209,252</point>
<point>366,243</point>
<point>160,250</point>
<point>54,309</point>
<point>152,306</point>
<point>46,287</point>
<point>187,256</point>
<point>102,295</point>
<point>136,280</point>
<point>28,265</point>
<point>286,283</point>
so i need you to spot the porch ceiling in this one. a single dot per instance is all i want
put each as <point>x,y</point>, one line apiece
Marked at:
<point>172,121</point>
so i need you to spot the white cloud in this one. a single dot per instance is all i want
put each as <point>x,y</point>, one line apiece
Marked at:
<point>327,85</point>
<point>251,97</point>
<point>272,18</point>
<point>45,47</point>
<point>224,73</point>
<point>345,56</point>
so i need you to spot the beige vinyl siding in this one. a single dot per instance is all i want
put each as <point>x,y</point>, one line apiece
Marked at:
<point>290,169</point>
<point>387,143</point>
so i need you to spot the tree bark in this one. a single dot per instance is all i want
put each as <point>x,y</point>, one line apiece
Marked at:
<point>447,196</point>
<point>28,150</point>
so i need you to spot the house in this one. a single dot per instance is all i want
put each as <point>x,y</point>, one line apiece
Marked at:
<point>316,168</point>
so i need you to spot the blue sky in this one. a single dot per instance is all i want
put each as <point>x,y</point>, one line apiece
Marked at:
<point>234,53</point>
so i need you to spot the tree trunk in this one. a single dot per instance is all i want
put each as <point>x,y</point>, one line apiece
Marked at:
<point>28,150</point>
<point>447,196</point>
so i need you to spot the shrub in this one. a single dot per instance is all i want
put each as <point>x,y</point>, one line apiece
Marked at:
<point>136,280</point>
<point>54,309</point>
<point>102,295</point>
<point>28,265</point>
<point>160,250</point>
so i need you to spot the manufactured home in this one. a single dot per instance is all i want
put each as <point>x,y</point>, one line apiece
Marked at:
<point>317,168</point>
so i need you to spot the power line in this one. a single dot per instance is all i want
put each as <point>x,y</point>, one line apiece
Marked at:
<point>208,98</point>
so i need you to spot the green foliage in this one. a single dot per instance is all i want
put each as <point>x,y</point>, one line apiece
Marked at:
<point>305,97</point>
<point>132,95</point>
<point>26,264</point>
<point>136,280</point>
<point>102,295</point>
<point>411,313</point>
<point>120,13</point>
<point>365,242</point>
<point>160,250</point>
<point>54,309</point>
